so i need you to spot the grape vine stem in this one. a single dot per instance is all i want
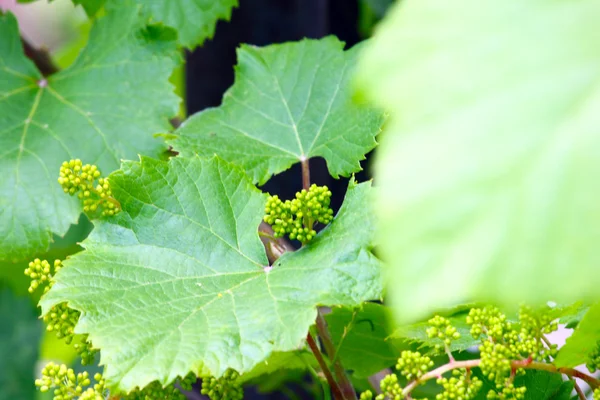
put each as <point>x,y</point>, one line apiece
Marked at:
<point>348,392</point>
<point>516,364</point>
<point>337,393</point>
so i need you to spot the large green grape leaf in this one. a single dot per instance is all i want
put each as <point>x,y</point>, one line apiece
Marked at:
<point>488,169</point>
<point>103,108</point>
<point>20,333</point>
<point>583,341</point>
<point>289,102</point>
<point>179,281</point>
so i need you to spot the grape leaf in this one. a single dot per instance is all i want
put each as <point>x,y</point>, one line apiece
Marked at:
<point>289,102</point>
<point>488,169</point>
<point>300,360</point>
<point>542,385</point>
<point>20,333</point>
<point>583,341</point>
<point>194,20</point>
<point>361,338</point>
<point>178,280</point>
<point>103,108</point>
<point>417,332</point>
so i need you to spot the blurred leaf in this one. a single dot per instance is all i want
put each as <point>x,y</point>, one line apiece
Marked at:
<point>583,340</point>
<point>20,333</point>
<point>488,171</point>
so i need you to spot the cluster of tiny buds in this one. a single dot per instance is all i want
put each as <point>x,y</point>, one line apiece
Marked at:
<point>41,273</point>
<point>226,387</point>
<point>441,328</point>
<point>76,178</point>
<point>297,217</point>
<point>413,364</point>
<point>68,385</point>
<point>507,392</point>
<point>593,359</point>
<point>462,385</point>
<point>59,319</point>
<point>155,390</point>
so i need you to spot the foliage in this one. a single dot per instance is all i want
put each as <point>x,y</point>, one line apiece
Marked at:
<point>19,333</point>
<point>488,169</point>
<point>83,111</point>
<point>289,103</point>
<point>483,201</point>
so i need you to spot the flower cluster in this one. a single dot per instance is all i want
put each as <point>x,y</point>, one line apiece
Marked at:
<point>226,387</point>
<point>462,385</point>
<point>297,217</point>
<point>59,319</point>
<point>593,359</point>
<point>413,364</point>
<point>41,273</point>
<point>76,178</point>
<point>68,385</point>
<point>155,390</point>
<point>440,328</point>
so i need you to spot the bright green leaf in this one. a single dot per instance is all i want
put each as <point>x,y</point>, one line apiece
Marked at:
<point>583,341</point>
<point>289,102</point>
<point>488,169</point>
<point>180,277</point>
<point>103,108</point>
<point>361,338</point>
<point>20,333</point>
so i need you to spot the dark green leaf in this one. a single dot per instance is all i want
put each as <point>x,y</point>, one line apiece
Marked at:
<point>361,338</point>
<point>20,333</point>
<point>103,108</point>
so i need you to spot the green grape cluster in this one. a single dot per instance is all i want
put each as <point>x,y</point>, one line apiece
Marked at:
<point>508,392</point>
<point>41,273</point>
<point>596,393</point>
<point>68,385</point>
<point>462,385</point>
<point>155,391</point>
<point>440,328</point>
<point>76,178</point>
<point>413,364</point>
<point>593,359</point>
<point>506,342</point>
<point>226,387</point>
<point>60,319</point>
<point>297,217</point>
